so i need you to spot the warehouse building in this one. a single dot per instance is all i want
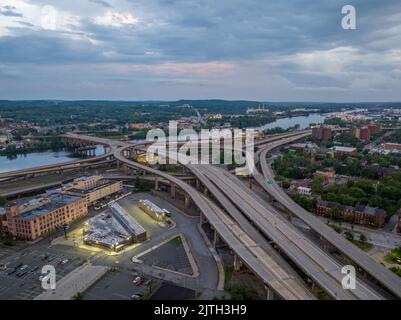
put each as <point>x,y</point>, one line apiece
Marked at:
<point>113,229</point>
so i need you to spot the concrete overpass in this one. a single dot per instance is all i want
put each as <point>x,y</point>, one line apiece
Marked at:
<point>313,261</point>
<point>245,248</point>
<point>326,282</point>
<point>382,275</point>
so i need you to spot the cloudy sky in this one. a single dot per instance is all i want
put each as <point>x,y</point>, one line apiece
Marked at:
<point>287,50</point>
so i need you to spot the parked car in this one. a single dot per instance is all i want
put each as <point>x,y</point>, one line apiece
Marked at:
<point>138,281</point>
<point>3,267</point>
<point>21,274</point>
<point>167,213</point>
<point>136,296</point>
<point>12,271</point>
<point>24,267</point>
<point>33,269</point>
<point>65,261</point>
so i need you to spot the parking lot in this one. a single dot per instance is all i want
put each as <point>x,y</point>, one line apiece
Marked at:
<point>21,280</point>
<point>119,285</point>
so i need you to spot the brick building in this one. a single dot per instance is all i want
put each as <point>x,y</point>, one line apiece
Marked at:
<point>322,133</point>
<point>43,215</point>
<point>328,176</point>
<point>363,215</point>
<point>374,127</point>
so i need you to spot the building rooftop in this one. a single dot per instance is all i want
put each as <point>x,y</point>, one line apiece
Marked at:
<point>360,208</point>
<point>154,208</point>
<point>369,210</point>
<point>112,227</point>
<point>343,149</point>
<point>42,206</point>
<point>102,183</point>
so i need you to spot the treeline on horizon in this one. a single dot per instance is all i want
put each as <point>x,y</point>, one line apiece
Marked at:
<point>58,112</point>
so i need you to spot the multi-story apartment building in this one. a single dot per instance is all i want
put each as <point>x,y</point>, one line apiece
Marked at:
<point>365,133</point>
<point>43,215</point>
<point>93,188</point>
<point>374,127</point>
<point>322,133</point>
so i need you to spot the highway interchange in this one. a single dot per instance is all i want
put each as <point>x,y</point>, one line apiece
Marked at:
<point>259,235</point>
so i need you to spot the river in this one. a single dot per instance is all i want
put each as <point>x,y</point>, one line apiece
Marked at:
<point>303,121</point>
<point>36,159</point>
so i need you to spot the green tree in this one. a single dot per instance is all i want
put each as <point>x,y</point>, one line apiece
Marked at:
<point>3,201</point>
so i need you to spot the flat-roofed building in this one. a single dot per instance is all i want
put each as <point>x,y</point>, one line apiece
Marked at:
<point>113,229</point>
<point>152,210</point>
<point>93,188</point>
<point>44,215</point>
<point>329,176</point>
<point>392,146</point>
<point>339,151</point>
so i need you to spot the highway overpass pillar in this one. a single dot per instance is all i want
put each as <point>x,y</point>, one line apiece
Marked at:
<point>269,293</point>
<point>250,182</point>
<point>186,201</point>
<point>205,191</point>
<point>237,263</point>
<point>172,191</point>
<point>197,183</point>
<point>217,241</point>
<point>156,183</point>
<point>202,219</point>
<point>315,289</point>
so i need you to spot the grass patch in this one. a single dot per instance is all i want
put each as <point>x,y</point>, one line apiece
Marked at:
<point>176,241</point>
<point>336,228</point>
<point>228,274</point>
<point>395,254</point>
<point>396,270</point>
<point>362,245</point>
<point>239,292</point>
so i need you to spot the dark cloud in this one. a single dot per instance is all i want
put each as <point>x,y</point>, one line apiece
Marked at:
<point>102,3</point>
<point>292,41</point>
<point>9,11</point>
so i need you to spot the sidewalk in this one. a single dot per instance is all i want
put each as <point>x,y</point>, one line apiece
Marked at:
<point>76,281</point>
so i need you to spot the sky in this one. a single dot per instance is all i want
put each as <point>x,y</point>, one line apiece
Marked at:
<point>287,50</point>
